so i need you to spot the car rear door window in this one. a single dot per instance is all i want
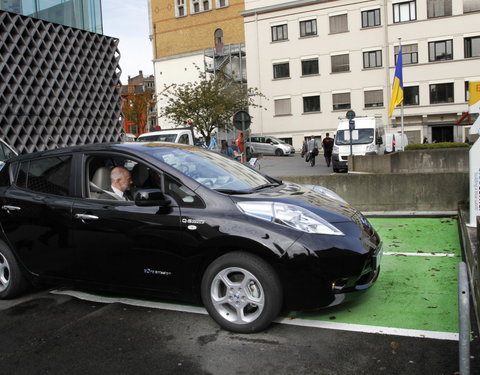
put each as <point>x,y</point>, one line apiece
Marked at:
<point>47,175</point>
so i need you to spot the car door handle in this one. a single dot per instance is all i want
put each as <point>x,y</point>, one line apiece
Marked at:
<point>9,209</point>
<point>84,217</point>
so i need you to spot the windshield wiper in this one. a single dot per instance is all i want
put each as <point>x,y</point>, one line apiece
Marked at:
<point>229,191</point>
<point>259,187</point>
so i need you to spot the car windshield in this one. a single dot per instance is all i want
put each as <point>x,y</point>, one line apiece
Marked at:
<point>359,136</point>
<point>158,138</point>
<point>212,170</point>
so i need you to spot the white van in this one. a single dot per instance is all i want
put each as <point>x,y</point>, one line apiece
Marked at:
<point>175,135</point>
<point>395,142</point>
<point>367,139</point>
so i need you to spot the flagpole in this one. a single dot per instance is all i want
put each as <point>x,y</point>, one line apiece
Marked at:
<point>401,105</point>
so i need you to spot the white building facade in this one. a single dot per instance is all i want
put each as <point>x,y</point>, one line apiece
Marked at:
<point>315,60</point>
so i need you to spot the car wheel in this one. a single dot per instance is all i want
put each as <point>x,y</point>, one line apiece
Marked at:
<point>278,152</point>
<point>335,170</point>
<point>12,282</point>
<point>241,292</point>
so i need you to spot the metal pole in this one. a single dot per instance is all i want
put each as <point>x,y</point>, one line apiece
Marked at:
<point>401,105</point>
<point>464,319</point>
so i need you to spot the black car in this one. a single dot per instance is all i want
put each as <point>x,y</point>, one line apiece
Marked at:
<point>201,228</point>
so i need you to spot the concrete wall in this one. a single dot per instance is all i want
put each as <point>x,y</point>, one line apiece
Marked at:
<point>413,161</point>
<point>396,192</point>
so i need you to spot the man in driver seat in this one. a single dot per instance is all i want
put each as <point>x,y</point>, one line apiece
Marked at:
<point>121,181</point>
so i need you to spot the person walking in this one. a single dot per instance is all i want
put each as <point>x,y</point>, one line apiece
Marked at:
<point>304,148</point>
<point>327,145</point>
<point>312,150</point>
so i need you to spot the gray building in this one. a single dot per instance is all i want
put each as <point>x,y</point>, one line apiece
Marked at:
<point>58,75</point>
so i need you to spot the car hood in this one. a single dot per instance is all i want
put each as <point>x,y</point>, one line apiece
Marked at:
<point>332,210</point>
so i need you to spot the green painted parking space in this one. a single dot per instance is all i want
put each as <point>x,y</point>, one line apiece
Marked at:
<point>413,291</point>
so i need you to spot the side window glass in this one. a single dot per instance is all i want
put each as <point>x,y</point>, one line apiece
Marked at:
<point>183,139</point>
<point>48,175</point>
<point>182,194</point>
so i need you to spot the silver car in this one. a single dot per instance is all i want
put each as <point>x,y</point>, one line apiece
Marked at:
<point>267,145</point>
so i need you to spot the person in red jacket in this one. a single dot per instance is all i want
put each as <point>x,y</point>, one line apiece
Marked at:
<point>327,145</point>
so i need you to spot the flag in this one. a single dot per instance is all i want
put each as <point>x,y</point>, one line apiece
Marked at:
<point>397,88</point>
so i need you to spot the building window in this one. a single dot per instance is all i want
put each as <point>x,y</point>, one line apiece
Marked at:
<point>441,93</point>
<point>309,67</point>
<point>338,24</point>
<point>471,6</point>
<point>404,12</point>
<point>180,10</point>
<point>308,28</point>
<point>439,8</point>
<point>200,6</point>
<point>371,18</point>
<point>281,70</point>
<point>373,98</point>
<point>341,101</point>
<point>372,59</point>
<point>410,95</point>
<point>472,46</point>
<point>283,107</point>
<point>441,50</point>
<point>222,4</point>
<point>340,63</point>
<point>279,32</point>
<point>409,54</point>
<point>311,103</point>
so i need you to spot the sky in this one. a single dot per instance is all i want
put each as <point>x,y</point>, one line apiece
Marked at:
<point>127,20</point>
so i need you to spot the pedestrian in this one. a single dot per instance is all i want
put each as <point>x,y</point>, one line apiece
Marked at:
<point>304,148</point>
<point>312,150</point>
<point>327,145</point>
<point>237,155</point>
<point>226,150</point>
<point>425,140</point>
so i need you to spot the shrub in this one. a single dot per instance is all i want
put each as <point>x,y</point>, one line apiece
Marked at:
<point>431,146</point>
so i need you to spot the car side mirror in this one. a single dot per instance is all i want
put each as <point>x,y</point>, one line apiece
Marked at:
<point>151,197</point>
<point>379,140</point>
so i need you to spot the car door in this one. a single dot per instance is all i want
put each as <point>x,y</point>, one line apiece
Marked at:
<point>122,244</point>
<point>36,215</point>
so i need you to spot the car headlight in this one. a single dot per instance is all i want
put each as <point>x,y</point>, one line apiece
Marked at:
<point>371,148</point>
<point>329,193</point>
<point>336,149</point>
<point>290,215</point>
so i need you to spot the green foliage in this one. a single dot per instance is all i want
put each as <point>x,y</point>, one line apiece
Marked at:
<point>210,103</point>
<point>431,146</point>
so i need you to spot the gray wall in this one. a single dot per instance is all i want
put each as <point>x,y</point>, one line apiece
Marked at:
<point>413,161</point>
<point>396,192</point>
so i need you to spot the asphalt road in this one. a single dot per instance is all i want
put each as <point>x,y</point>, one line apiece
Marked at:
<point>293,165</point>
<point>57,334</point>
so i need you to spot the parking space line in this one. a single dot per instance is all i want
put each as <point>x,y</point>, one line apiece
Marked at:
<point>430,254</point>
<point>371,329</point>
<point>296,322</point>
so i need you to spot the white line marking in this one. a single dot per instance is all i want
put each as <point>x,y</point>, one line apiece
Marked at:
<point>296,322</point>
<point>422,254</point>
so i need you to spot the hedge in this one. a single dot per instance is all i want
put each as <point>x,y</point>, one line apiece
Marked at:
<point>430,146</point>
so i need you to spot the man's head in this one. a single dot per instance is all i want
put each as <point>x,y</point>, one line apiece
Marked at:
<point>328,134</point>
<point>120,178</point>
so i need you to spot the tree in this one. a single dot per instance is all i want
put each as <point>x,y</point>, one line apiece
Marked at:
<point>209,103</point>
<point>136,109</point>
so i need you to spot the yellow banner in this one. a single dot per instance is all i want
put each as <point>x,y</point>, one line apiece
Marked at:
<point>474,90</point>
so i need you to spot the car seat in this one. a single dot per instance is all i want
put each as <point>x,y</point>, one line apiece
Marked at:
<point>100,182</point>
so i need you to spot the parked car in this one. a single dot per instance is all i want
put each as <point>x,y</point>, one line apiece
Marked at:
<point>201,228</point>
<point>6,151</point>
<point>268,145</point>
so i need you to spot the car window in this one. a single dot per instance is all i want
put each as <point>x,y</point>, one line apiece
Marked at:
<point>47,175</point>
<point>158,138</point>
<point>99,168</point>
<point>183,139</point>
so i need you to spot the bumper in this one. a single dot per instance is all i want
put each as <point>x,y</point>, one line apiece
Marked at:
<point>338,163</point>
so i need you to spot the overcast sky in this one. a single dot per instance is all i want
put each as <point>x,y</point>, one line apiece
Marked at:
<point>127,20</point>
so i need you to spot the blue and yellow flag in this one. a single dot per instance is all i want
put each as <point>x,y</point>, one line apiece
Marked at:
<point>397,89</point>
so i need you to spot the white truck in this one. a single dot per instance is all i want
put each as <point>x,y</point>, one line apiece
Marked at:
<point>174,135</point>
<point>366,139</point>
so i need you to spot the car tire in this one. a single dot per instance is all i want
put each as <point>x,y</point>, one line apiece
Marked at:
<point>335,170</point>
<point>278,152</point>
<point>241,292</point>
<point>12,282</point>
